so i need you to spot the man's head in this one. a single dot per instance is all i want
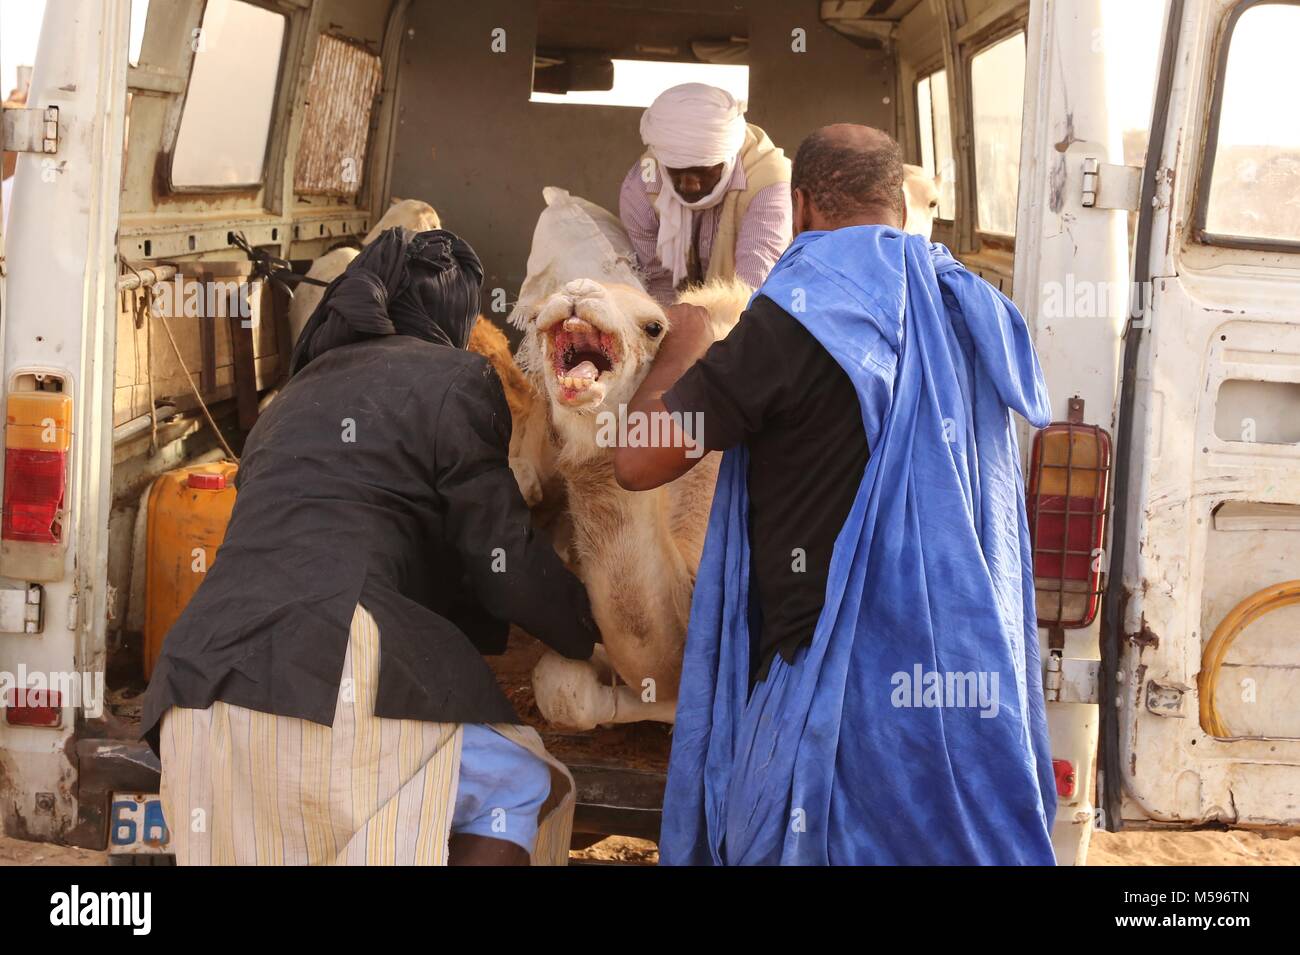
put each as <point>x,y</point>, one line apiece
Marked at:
<point>694,131</point>
<point>846,175</point>
<point>695,182</point>
<point>421,284</point>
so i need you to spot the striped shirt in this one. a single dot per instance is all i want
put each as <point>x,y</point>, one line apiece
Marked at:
<point>762,237</point>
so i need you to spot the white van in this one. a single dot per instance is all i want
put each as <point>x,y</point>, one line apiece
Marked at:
<point>197,142</point>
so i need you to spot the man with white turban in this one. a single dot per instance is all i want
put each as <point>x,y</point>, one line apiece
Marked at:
<point>710,198</point>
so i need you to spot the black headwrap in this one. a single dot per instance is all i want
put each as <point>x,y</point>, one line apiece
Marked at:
<point>422,284</point>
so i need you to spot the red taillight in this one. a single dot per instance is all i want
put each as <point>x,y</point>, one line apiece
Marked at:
<point>24,707</point>
<point>35,482</point>
<point>1064,772</point>
<point>1069,471</point>
<point>33,517</point>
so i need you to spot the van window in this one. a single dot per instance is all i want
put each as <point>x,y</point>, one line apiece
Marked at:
<point>226,119</point>
<point>1255,173</point>
<point>936,137</point>
<point>997,101</point>
<point>332,149</point>
<point>638,82</point>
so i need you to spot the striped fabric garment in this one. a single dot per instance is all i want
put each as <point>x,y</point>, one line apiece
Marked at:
<point>241,787</point>
<point>763,236</point>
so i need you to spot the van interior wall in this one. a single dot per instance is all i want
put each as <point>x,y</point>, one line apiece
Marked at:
<point>471,143</point>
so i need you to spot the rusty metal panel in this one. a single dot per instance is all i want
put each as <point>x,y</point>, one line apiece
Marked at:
<point>340,94</point>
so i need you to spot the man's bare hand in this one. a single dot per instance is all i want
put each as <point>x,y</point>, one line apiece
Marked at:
<point>690,333</point>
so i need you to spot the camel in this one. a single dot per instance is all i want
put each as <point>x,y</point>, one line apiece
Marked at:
<point>586,349</point>
<point>921,193</point>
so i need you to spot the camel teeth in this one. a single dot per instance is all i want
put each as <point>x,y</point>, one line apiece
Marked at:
<point>574,382</point>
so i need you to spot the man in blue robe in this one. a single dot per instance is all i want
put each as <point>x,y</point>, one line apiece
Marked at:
<point>861,682</point>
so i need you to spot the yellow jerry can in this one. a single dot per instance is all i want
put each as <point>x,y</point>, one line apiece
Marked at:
<point>189,509</point>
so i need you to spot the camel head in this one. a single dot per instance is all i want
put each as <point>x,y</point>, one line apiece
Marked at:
<point>588,346</point>
<point>922,195</point>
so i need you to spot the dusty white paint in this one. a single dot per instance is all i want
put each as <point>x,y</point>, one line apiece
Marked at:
<point>60,284</point>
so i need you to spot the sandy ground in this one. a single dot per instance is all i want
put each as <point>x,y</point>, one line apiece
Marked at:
<point>1108,848</point>
<point>1192,848</point>
<point>19,852</point>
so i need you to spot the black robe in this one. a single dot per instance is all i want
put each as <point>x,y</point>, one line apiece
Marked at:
<point>379,475</point>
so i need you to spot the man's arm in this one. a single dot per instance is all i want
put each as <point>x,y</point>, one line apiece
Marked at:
<point>764,234</point>
<point>514,571</point>
<point>640,469</point>
<point>729,389</point>
<point>637,212</point>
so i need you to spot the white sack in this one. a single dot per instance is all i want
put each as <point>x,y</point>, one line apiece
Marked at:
<point>575,239</point>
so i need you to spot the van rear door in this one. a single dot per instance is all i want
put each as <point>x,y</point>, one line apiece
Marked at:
<point>1200,659</point>
<point>1071,280</point>
<point>59,287</point>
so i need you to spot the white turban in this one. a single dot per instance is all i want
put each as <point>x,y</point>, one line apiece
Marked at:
<point>690,125</point>
<point>694,125</point>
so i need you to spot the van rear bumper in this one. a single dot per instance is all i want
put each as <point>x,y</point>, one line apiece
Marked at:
<point>106,766</point>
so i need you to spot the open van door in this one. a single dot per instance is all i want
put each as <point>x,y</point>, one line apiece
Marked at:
<point>1071,279</point>
<point>1201,722</point>
<point>59,274</point>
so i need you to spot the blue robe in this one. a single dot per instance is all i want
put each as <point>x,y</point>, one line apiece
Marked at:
<point>912,729</point>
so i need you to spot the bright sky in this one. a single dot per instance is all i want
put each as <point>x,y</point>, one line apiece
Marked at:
<point>1131,43</point>
<point>20,31</point>
<point>20,27</point>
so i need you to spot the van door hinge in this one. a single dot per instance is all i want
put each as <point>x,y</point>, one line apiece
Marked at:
<point>20,608</point>
<point>1070,680</point>
<point>1107,186</point>
<point>30,130</point>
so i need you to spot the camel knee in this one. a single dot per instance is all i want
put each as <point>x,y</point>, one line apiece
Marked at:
<point>572,694</point>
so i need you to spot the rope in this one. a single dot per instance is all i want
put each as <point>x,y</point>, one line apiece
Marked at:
<point>148,357</point>
<point>193,387</point>
<point>140,313</point>
<point>153,411</point>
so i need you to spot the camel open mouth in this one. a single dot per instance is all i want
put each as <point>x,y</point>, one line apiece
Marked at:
<point>581,355</point>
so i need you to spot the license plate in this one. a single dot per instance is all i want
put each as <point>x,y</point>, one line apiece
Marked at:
<point>136,825</point>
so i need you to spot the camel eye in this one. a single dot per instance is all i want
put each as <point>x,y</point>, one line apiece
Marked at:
<point>653,329</point>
